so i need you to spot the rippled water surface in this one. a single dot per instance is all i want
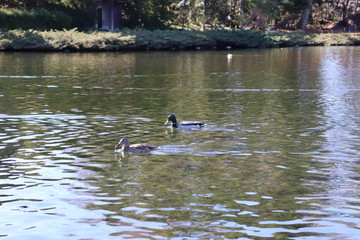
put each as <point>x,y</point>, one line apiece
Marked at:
<point>277,159</point>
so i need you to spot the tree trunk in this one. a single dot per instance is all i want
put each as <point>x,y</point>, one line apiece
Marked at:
<point>344,10</point>
<point>304,19</point>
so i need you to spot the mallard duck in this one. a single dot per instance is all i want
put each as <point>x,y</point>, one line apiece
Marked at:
<point>183,124</point>
<point>137,148</point>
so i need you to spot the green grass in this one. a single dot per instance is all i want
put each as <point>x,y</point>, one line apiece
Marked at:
<point>140,39</point>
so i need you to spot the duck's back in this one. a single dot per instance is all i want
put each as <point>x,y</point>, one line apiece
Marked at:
<point>189,123</point>
<point>143,146</point>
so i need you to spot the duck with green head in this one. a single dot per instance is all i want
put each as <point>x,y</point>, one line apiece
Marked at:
<point>184,124</point>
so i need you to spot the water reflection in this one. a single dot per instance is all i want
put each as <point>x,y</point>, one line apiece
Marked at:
<point>276,159</point>
<point>339,148</point>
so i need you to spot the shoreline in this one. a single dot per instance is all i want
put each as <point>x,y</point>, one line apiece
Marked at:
<point>164,40</point>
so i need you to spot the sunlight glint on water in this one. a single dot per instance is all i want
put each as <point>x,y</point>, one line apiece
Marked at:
<point>277,158</point>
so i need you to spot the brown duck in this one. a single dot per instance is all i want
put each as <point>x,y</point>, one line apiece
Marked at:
<point>136,148</point>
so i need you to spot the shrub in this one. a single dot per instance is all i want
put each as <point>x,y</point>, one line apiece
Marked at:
<point>239,38</point>
<point>22,40</point>
<point>40,19</point>
<point>140,39</point>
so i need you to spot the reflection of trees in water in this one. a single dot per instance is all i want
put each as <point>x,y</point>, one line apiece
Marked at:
<point>258,153</point>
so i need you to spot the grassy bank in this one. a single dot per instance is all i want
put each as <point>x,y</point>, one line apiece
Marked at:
<point>73,40</point>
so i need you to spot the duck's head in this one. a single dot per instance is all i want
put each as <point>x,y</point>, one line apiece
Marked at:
<point>122,142</point>
<point>171,118</point>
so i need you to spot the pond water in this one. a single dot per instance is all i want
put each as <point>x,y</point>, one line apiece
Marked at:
<point>278,157</point>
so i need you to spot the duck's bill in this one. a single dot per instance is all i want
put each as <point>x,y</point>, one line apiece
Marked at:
<point>166,122</point>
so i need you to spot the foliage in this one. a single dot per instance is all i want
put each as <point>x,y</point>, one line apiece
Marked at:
<point>141,39</point>
<point>225,13</point>
<point>75,4</point>
<point>82,12</point>
<point>150,14</point>
<point>203,14</point>
<point>34,18</point>
<point>239,39</point>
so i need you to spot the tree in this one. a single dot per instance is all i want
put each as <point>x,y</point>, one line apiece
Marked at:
<point>75,4</point>
<point>81,11</point>
<point>345,10</point>
<point>150,14</point>
<point>22,3</point>
<point>304,19</point>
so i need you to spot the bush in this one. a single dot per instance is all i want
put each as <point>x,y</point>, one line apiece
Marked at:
<point>239,39</point>
<point>22,40</point>
<point>40,19</point>
<point>141,39</point>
